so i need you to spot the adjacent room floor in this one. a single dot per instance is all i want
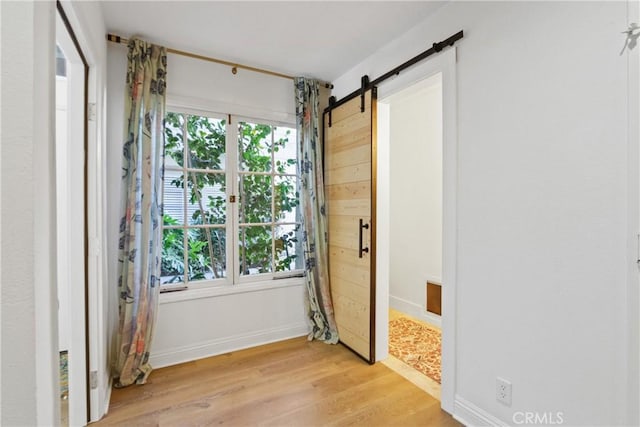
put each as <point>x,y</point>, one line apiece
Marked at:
<point>405,368</point>
<point>64,389</point>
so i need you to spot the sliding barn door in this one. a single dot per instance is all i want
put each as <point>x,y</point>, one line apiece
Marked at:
<point>350,170</point>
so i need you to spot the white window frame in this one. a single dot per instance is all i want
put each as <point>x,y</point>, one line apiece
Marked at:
<point>238,278</point>
<point>232,223</point>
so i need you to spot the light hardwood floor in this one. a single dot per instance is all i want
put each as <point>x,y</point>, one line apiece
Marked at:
<point>289,383</point>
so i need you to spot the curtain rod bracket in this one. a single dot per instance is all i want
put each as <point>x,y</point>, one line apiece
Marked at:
<point>114,38</point>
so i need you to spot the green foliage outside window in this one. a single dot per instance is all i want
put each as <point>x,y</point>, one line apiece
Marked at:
<point>263,198</point>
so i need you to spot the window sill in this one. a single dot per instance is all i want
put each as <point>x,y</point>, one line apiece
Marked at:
<point>222,290</point>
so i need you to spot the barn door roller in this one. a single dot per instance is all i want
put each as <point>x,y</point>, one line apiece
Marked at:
<point>364,84</point>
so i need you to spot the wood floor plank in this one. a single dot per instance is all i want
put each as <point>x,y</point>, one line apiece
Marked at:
<point>289,383</point>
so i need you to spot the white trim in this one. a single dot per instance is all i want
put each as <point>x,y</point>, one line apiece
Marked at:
<point>107,398</point>
<point>633,226</point>
<point>225,345</point>
<point>449,225</point>
<point>208,105</point>
<point>262,121</point>
<point>383,194</point>
<point>218,291</point>
<point>1,222</point>
<point>444,63</point>
<point>415,310</point>
<point>39,133</point>
<point>73,182</point>
<point>433,279</point>
<point>98,298</point>
<point>470,415</point>
<point>265,277</point>
<point>232,208</point>
<point>181,109</point>
<point>432,318</point>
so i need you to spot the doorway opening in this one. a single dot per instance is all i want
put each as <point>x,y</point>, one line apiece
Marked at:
<point>417,209</point>
<point>71,89</point>
<point>414,117</point>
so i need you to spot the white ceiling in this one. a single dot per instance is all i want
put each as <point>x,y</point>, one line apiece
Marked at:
<point>321,39</point>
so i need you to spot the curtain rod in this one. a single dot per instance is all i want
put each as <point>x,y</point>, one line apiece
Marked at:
<point>234,67</point>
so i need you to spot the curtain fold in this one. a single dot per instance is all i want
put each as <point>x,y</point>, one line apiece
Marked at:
<point>310,167</point>
<point>140,245</point>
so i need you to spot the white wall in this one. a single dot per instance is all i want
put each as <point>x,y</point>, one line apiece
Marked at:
<point>633,295</point>
<point>29,324</point>
<point>542,197</point>
<point>198,323</point>
<point>416,195</point>
<point>29,309</point>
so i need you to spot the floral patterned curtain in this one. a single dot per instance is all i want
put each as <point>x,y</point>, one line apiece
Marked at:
<point>140,225</point>
<point>310,164</point>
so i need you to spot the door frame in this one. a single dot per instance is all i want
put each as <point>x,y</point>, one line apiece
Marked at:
<point>75,182</point>
<point>97,298</point>
<point>444,63</point>
<point>633,223</point>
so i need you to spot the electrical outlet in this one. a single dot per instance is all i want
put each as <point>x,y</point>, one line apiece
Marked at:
<point>503,391</point>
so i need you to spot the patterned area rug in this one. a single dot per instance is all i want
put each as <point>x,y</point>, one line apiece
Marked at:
<point>64,375</point>
<point>417,345</point>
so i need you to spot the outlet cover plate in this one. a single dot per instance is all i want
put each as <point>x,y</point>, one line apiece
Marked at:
<point>503,391</point>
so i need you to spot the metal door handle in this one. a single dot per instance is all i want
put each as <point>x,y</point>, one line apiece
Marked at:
<point>362,250</point>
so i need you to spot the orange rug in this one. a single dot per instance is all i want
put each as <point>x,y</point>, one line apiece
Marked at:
<point>417,345</point>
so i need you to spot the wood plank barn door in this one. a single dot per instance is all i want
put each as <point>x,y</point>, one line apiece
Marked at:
<point>350,170</point>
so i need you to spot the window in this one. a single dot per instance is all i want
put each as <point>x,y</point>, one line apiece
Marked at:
<point>231,206</point>
<point>268,188</point>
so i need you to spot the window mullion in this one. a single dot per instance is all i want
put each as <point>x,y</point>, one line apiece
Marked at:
<point>185,232</point>
<point>233,259</point>
<point>273,203</point>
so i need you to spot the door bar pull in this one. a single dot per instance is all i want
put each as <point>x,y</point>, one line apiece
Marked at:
<point>362,250</point>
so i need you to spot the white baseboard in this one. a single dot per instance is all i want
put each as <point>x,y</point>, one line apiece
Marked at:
<point>225,345</point>
<point>107,399</point>
<point>471,416</point>
<point>415,310</point>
